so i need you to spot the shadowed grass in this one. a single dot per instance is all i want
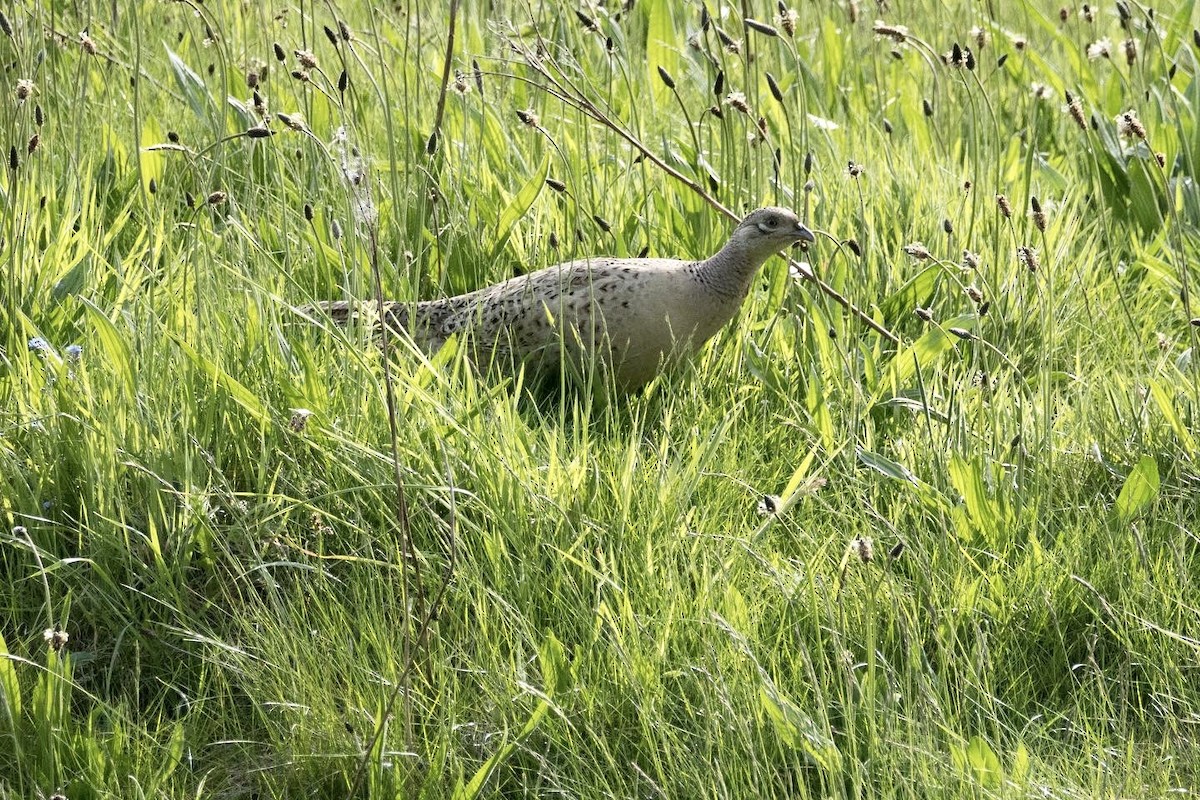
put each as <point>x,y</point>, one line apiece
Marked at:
<point>811,563</point>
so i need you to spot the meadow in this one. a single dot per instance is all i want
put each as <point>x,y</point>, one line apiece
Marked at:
<point>922,522</point>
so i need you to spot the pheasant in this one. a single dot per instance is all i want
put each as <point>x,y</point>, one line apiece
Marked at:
<point>634,315</point>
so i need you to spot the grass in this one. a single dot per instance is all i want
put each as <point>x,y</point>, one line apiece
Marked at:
<point>980,574</point>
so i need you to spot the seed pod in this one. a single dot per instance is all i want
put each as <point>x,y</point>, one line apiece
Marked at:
<point>279,54</point>
<point>774,87</point>
<point>719,84</point>
<point>331,36</point>
<point>556,185</point>
<point>761,27</point>
<point>588,23</point>
<point>308,212</point>
<point>343,82</point>
<point>1003,204</point>
<point>667,80</point>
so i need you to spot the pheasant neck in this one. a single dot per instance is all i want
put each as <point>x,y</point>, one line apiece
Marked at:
<point>730,270</point>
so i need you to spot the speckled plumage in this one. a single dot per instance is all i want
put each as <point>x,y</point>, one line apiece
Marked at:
<point>632,313</point>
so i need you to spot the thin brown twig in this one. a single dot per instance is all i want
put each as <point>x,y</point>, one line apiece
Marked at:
<point>567,93</point>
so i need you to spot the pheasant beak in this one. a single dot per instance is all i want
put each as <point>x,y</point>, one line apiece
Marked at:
<point>803,234</point>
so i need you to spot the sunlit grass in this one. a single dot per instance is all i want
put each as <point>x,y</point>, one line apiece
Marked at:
<point>811,563</point>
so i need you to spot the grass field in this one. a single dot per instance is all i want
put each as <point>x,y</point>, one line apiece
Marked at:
<point>956,554</point>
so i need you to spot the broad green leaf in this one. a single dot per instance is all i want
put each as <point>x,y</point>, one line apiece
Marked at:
<point>924,352</point>
<point>10,687</point>
<point>967,478</point>
<point>799,475</point>
<point>556,670</point>
<point>113,344</point>
<point>519,206</point>
<point>471,789</point>
<point>916,291</point>
<point>984,763</point>
<point>662,44</point>
<point>1140,489</point>
<point>1166,407</point>
<point>886,466</point>
<point>192,86</point>
<point>1019,771</point>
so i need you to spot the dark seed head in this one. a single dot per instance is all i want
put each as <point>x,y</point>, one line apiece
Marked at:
<point>308,212</point>
<point>808,162</point>
<point>774,87</point>
<point>431,144</point>
<point>34,141</point>
<point>172,137</point>
<point>927,107</point>
<point>343,82</point>
<point>1004,206</point>
<point>216,198</point>
<point>948,226</point>
<point>13,160</point>
<point>666,78</point>
<point>153,186</point>
<point>331,36</point>
<point>279,54</point>
<point>719,84</point>
<point>556,185</point>
<point>587,22</point>
<point>38,116</point>
<point>5,25</point>
<point>1000,61</point>
<point>855,247</point>
<point>259,132</point>
<point>761,27</point>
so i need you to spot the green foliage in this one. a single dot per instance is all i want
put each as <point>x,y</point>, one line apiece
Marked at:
<point>812,563</point>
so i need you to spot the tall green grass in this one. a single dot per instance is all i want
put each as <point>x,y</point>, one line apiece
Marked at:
<point>815,562</point>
